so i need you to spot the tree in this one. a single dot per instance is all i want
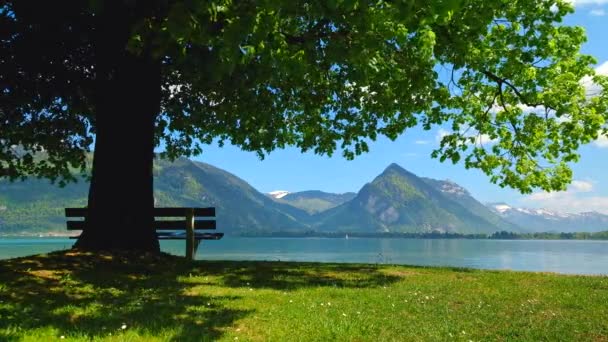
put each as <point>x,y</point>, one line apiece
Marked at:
<point>129,75</point>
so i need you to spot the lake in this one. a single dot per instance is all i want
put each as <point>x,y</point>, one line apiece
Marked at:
<point>561,256</point>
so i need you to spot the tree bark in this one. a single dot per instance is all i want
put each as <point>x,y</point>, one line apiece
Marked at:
<point>121,195</point>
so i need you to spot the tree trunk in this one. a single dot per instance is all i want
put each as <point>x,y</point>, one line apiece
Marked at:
<point>121,197</point>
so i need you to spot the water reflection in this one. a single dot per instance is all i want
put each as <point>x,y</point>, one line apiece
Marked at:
<point>579,257</point>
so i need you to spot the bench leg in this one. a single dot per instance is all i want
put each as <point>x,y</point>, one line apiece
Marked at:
<point>196,244</point>
<point>190,241</point>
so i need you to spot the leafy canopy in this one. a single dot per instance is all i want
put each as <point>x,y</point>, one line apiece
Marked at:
<point>324,76</point>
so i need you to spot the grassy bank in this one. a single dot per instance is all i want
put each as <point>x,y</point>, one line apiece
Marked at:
<point>84,297</point>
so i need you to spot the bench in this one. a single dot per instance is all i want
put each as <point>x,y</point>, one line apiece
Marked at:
<point>193,219</point>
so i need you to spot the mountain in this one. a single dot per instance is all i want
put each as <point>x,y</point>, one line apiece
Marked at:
<point>395,201</point>
<point>543,220</point>
<point>314,201</point>
<point>36,205</point>
<point>460,195</point>
<point>239,207</point>
<point>399,201</point>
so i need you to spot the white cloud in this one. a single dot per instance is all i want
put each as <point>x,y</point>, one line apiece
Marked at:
<point>440,134</point>
<point>569,203</point>
<point>483,139</point>
<point>601,142</point>
<point>480,139</point>
<point>575,199</point>
<point>597,12</point>
<point>421,142</point>
<point>602,69</point>
<point>577,186</point>
<point>542,196</point>
<point>593,89</point>
<point>588,2</point>
<point>581,186</point>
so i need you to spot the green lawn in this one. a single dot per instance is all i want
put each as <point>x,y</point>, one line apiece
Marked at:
<point>70,296</point>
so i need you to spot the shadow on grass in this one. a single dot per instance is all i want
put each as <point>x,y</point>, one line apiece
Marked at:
<point>94,296</point>
<point>293,275</point>
<point>87,295</point>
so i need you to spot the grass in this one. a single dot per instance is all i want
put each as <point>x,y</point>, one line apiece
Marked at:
<point>77,296</point>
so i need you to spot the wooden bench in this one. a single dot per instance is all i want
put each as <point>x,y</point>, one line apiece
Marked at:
<point>193,219</point>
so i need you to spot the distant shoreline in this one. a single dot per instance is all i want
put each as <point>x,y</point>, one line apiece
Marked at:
<point>436,235</point>
<point>342,235</point>
<point>40,234</point>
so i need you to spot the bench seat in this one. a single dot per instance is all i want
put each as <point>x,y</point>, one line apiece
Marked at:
<point>187,228</point>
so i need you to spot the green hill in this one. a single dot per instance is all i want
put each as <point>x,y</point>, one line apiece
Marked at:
<point>399,201</point>
<point>239,207</point>
<point>315,201</point>
<point>396,201</point>
<point>36,205</point>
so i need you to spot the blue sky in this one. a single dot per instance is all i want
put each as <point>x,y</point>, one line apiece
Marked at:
<point>293,171</point>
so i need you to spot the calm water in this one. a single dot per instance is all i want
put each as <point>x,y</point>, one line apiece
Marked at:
<point>577,257</point>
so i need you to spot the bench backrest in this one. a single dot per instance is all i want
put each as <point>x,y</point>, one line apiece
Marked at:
<point>205,213</point>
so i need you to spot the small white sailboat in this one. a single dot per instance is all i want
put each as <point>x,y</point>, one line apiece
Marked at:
<point>346,237</point>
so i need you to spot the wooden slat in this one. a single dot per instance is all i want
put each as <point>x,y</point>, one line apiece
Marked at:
<point>181,224</point>
<point>172,236</point>
<point>75,225</point>
<point>158,212</point>
<point>182,212</point>
<point>163,225</point>
<point>197,236</point>
<point>208,236</point>
<point>76,212</point>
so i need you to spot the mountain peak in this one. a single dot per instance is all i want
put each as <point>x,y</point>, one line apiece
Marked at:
<point>398,169</point>
<point>395,167</point>
<point>278,193</point>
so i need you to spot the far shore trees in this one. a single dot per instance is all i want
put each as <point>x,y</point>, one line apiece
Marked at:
<point>121,77</point>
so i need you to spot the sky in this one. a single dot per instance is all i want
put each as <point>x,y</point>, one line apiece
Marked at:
<point>293,171</point>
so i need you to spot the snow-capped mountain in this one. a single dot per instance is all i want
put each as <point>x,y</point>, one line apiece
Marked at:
<point>504,208</point>
<point>278,193</point>
<point>449,187</point>
<point>544,220</point>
